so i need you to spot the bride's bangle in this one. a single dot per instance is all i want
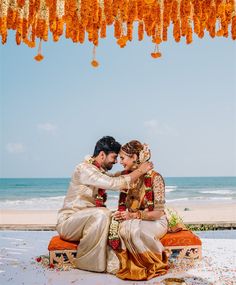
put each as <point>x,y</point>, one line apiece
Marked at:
<point>144,215</point>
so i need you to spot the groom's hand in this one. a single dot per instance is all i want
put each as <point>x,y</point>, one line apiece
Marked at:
<point>145,167</point>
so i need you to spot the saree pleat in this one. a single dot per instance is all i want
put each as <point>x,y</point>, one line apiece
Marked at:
<point>142,255</point>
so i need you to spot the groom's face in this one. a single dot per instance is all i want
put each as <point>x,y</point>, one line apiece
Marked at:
<point>109,160</point>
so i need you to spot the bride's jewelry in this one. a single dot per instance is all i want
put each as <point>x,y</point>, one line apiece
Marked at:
<point>144,215</point>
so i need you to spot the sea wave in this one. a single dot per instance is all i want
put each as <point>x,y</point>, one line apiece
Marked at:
<point>218,192</point>
<point>221,198</point>
<point>177,199</point>
<point>170,188</point>
<point>47,203</point>
<point>202,199</point>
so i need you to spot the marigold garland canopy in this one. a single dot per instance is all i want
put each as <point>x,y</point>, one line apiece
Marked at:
<point>32,19</point>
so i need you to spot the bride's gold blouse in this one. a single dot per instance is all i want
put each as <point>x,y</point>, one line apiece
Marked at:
<point>136,195</point>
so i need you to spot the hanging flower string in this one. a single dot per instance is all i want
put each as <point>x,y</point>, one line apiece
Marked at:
<point>78,19</point>
<point>39,56</point>
<point>156,53</point>
<point>94,62</point>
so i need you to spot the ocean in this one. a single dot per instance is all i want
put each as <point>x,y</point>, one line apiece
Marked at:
<point>48,193</point>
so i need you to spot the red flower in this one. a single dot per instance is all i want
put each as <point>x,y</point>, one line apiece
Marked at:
<point>51,265</point>
<point>99,203</point>
<point>39,259</point>
<point>114,243</point>
<point>101,192</point>
<point>122,208</point>
<point>149,195</point>
<point>150,208</point>
<point>96,164</point>
<point>148,182</point>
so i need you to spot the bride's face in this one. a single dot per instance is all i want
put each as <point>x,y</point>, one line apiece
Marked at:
<point>128,162</point>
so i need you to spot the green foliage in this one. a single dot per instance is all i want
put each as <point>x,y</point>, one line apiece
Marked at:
<point>173,218</point>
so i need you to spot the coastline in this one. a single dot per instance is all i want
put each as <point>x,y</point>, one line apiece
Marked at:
<point>216,213</point>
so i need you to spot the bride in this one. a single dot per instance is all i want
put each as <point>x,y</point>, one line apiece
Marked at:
<point>142,221</point>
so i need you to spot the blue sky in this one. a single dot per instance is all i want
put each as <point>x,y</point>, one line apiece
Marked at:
<point>183,105</point>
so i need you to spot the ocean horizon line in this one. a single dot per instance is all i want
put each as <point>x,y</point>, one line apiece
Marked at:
<point>229,176</point>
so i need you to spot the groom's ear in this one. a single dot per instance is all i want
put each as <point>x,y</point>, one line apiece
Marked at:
<point>102,155</point>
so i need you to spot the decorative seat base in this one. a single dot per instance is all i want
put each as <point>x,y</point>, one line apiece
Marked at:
<point>61,251</point>
<point>183,244</point>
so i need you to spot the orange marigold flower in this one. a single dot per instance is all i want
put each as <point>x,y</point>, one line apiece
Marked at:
<point>149,1</point>
<point>156,54</point>
<point>21,3</point>
<point>220,33</point>
<point>122,41</point>
<point>94,63</point>
<point>233,28</point>
<point>156,40</point>
<point>39,57</point>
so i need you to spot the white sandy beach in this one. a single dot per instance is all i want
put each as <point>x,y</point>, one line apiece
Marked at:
<point>19,250</point>
<point>196,213</point>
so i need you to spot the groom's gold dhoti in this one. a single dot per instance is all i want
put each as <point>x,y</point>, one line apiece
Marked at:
<point>89,226</point>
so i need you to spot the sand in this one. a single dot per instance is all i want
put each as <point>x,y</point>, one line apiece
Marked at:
<point>192,213</point>
<point>19,249</point>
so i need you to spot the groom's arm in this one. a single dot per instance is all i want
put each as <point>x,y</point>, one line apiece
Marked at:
<point>116,174</point>
<point>89,175</point>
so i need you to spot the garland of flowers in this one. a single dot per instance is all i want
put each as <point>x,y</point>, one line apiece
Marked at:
<point>101,197</point>
<point>34,19</point>
<point>113,237</point>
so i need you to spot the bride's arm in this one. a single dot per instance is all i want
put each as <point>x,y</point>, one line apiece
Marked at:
<point>159,201</point>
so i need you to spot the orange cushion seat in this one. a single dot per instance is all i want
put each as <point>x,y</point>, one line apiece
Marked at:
<point>56,243</point>
<point>181,238</point>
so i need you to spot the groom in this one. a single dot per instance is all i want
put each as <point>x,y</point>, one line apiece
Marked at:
<point>84,216</point>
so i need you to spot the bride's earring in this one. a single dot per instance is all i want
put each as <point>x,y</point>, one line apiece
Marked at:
<point>135,162</point>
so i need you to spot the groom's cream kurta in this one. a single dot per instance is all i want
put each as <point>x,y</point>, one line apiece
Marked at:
<point>80,219</point>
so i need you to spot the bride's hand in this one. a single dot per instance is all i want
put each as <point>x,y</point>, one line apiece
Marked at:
<point>145,167</point>
<point>122,216</point>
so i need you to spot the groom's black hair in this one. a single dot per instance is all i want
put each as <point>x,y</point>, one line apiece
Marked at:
<point>107,144</point>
